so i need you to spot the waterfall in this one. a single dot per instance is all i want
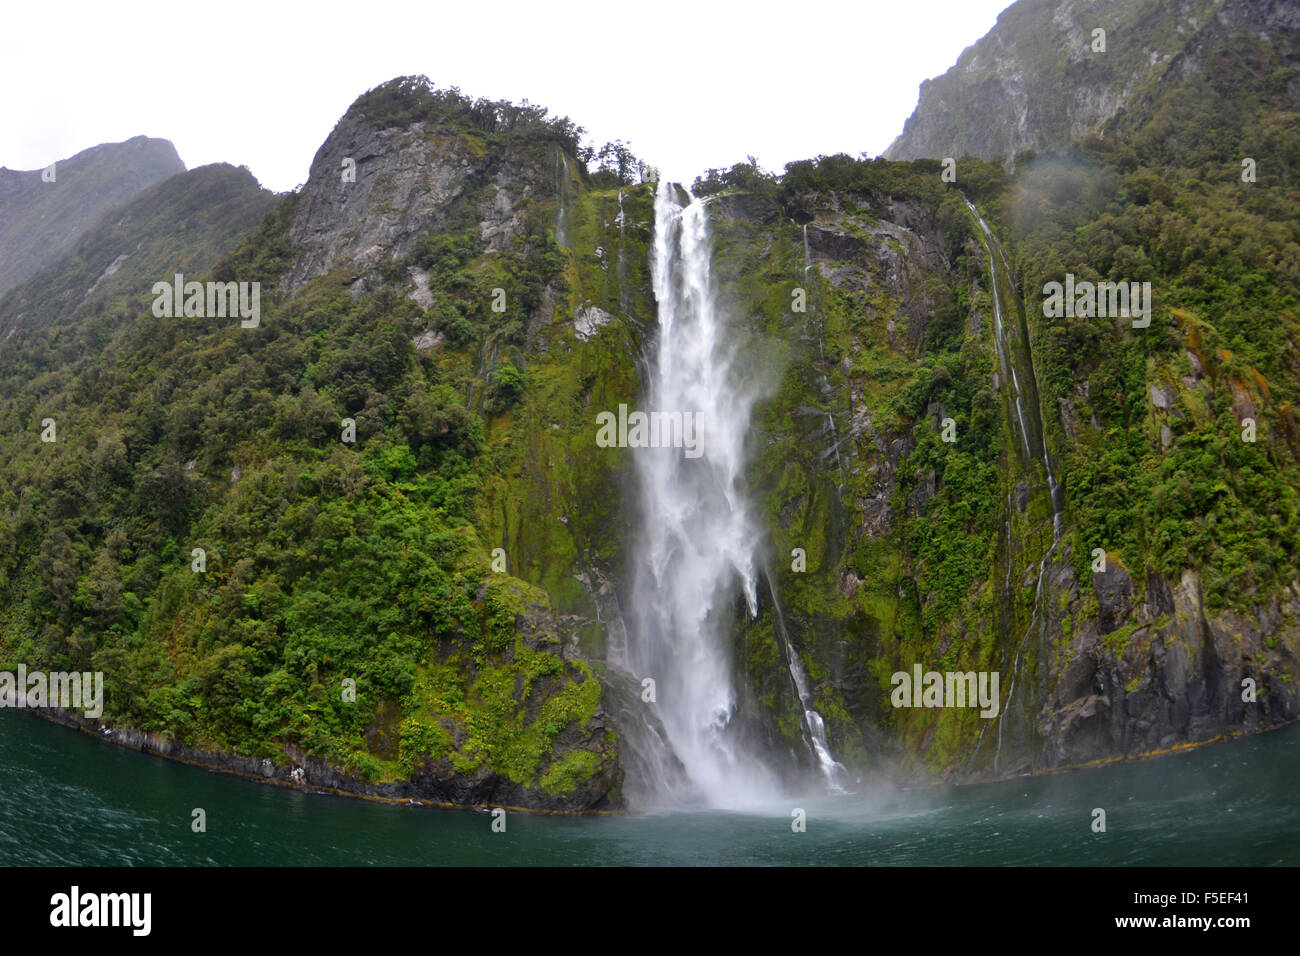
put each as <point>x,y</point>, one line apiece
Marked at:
<point>1033,438</point>
<point>561,193</point>
<point>621,273</point>
<point>814,727</point>
<point>1028,411</point>
<point>695,551</point>
<point>833,433</point>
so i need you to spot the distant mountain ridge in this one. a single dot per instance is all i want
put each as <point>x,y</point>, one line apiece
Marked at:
<point>183,224</point>
<point>41,219</point>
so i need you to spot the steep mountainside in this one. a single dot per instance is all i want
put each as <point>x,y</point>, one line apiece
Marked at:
<point>324,560</point>
<point>183,224</point>
<point>1042,78</point>
<point>1175,443</point>
<point>43,212</point>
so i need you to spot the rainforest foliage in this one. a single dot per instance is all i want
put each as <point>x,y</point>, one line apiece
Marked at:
<point>201,531</point>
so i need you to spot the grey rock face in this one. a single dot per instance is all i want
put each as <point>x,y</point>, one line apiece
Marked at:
<point>587,320</point>
<point>408,182</point>
<point>1035,81</point>
<point>428,340</point>
<point>1114,594</point>
<point>1180,678</point>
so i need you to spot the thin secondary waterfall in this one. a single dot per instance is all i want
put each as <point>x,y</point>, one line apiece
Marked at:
<point>1033,438</point>
<point>621,273</point>
<point>814,727</point>
<point>1026,399</point>
<point>562,195</point>
<point>831,431</point>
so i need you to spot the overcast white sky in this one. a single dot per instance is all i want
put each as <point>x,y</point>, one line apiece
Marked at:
<point>690,85</point>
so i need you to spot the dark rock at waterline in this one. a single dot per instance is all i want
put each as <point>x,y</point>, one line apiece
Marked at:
<point>434,783</point>
<point>1184,682</point>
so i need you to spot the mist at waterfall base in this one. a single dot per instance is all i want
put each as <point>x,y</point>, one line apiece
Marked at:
<point>695,550</point>
<point>71,800</point>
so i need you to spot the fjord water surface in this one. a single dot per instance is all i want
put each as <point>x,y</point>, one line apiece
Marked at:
<point>68,799</point>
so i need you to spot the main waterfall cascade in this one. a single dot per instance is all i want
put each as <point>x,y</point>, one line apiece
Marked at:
<point>695,549</point>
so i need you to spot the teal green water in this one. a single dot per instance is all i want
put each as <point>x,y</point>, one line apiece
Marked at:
<point>67,799</point>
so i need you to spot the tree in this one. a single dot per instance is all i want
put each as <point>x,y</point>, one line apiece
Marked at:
<point>507,386</point>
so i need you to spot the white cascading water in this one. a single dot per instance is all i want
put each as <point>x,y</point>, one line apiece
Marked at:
<point>1030,437</point>
<point>561,192</point>
<point>1035,443</point>
<point>814,727</point>
<point>697,538</point>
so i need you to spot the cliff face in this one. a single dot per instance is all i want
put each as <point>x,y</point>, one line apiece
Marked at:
<point>1159,643</point>
<point>410,182</point>
<point>921,552</point>
<point>1168,673</point>
<point>440,673</point>
<point>1035,81</point>
<point>41,218</point>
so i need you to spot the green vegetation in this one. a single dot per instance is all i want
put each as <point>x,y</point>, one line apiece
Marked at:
<point>411,99</point>
<point>322,561</point>
<point>1223,260</point>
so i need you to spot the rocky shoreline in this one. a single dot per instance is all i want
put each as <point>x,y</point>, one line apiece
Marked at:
<point>313,775</point>
<point>309,774</point>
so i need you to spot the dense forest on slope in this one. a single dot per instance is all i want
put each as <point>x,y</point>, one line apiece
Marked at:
<point>1192,187</point>
<point>1163,476</point>
<point>323,561</point>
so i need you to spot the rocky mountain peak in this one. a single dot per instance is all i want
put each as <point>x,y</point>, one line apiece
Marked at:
<point>407,160</point>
